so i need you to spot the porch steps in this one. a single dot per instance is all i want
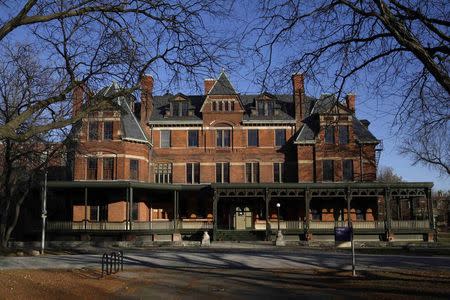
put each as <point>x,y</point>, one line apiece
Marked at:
<point>240,235</point>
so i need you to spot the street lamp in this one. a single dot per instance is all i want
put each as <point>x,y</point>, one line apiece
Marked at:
<point>278,215</point>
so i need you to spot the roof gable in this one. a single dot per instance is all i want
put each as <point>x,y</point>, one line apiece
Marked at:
<point>222,86</point>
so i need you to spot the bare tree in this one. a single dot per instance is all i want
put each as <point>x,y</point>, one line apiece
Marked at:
<point>50,47</point>
<point>400,49</point>
<point>387,174</point>
<point>90,42</point>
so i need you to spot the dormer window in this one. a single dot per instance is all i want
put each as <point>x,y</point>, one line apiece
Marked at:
<point>179,108</point>
<point>265,108</point>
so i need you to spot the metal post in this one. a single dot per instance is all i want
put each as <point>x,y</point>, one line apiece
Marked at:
<point>278,216</point>
<point>350,226</point>
<point>85,207</point>
<point>131,208</point>
<point>215,203</point>
<point>44,213</point>
<point>268,229</point>
<point>175,209</point>
<point>127,208</point>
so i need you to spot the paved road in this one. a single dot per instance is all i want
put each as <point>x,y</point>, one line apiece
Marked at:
<point>173,258</point>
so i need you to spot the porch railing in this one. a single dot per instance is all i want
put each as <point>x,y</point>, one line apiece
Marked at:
<point>196,225</point>
<point>369,225</point>
<point>327,224</point>
<point>410,224</point>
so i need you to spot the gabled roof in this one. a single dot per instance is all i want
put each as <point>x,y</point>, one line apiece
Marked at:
<point>323,105</point>
<point>222,86</point>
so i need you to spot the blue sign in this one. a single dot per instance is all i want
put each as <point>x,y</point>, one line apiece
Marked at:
<point>342,234</point>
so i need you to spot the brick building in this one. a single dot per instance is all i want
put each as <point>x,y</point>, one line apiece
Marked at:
<point>174,165</point>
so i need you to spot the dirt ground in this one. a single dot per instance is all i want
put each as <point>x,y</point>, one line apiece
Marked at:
<point>178,283</point>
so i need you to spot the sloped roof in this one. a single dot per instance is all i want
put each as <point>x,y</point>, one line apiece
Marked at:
<point>131,129</point>
<point>222,86</point>
<point>311,124</point>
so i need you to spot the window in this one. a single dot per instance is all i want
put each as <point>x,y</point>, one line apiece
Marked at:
<point>223,172</point>
<point>260,108</point>
<point>179,108</point>
<point>193,173</point>
<point>252,140</point>
<point>347,169</point>
<point>135,211</point>
<point>223,137</point>
<point>134,169</point>
<point>329,134</point>
<point>223,105</point>
<point>92,168</point>
<point>269,110</point>
<point>252,172</point>
<point>193,138</point>
<point>328,170</point>
<point>163,173</point>
<point>359,215</point>
<point>108,168</point>
<point>98,213</point>
<point>343,135</point>
<point>165,138</point>
<point>280,137</point>
<point>93,130</point>
<point>316,215</point>
<point>278,172</point>
<point>108,130</point>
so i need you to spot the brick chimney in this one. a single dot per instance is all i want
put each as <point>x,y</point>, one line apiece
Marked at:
<point>298,83</point>
<point>350,99</point>
<point>77,99</point>
<point>209,84</point>
<point>146,98</point>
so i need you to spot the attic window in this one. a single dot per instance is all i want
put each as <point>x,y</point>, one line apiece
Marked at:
<point>179,108</point>
<point>223,105</point>
<point>265,108</point>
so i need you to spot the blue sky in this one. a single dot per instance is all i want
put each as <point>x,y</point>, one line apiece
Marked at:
<point>241,71</point>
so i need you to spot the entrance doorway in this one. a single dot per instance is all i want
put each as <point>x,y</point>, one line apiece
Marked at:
<point>243,218</point>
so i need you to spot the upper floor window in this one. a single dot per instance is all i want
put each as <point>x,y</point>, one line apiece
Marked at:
<point>193,138</point>
<point>252,172</point>
<point>193,173</point>
<point>179,108</point>
<point>93,130</point>
<point>223,105</point>
<point>92,168</point>
<point>343,135</point>
<point>163,173</point>
<point>280,137</point>
<point>278,172</point>
<point>347,169</point>
<point>223,172</point>
<point>265,107</point>
<point>108,130</point>
<point>134,169</point>
<point>328,170</point>
<point>108,168</point>
<point>329,134</point>
<point>223,138</point>
<point>165,138</point>
<point>252,138</point>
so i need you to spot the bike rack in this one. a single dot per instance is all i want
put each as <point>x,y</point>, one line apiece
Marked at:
<point>112,262</point>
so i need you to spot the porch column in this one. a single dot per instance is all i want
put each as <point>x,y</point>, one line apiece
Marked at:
<point>307,219</point>
<point>215,203</point>
<point>348,199</point>
<point>175,210</point>
<point>387,208</point>
<point>127,208</point>
<point>85,207</point>
<point>268,229</point>
<point>131,208</point>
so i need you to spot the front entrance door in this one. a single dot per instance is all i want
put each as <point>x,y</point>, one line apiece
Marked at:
<point>243,218</point>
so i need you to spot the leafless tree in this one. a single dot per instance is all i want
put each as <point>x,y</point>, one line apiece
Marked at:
<point>399,49</point>
<point>387,174</point>
<point>49,47</point>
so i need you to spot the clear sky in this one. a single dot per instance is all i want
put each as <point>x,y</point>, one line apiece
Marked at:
<point>241,71</point>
